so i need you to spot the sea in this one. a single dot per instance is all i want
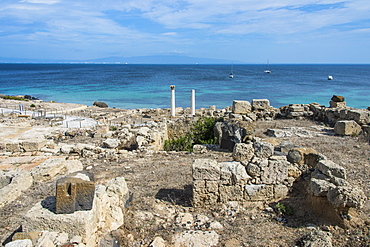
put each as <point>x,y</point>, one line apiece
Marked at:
<point>130,86</point>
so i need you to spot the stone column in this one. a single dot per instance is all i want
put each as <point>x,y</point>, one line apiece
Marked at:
<point>192,102</point>
<point>173,107</point>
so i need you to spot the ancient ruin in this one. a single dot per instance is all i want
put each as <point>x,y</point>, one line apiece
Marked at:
<point>90,175</point>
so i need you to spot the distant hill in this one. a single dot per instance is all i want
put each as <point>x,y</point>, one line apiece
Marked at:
<point>155,59</point>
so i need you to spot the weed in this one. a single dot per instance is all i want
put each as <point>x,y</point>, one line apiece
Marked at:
<point>284,209</point>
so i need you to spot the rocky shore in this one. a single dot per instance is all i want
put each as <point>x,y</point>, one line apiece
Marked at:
<point>75,175</point>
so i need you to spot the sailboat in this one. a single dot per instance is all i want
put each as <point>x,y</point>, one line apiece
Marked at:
<point>267,70</point>
<point>231,75</point>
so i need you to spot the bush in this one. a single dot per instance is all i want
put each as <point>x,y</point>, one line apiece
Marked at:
<point>200,133</point>
<point>14,98</point>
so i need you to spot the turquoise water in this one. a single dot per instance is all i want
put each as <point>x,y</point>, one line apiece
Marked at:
<point>148,86</point>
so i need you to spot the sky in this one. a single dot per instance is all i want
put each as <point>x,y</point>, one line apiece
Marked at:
<point>251,31</point>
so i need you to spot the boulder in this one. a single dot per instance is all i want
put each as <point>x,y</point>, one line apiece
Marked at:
<point>317,238</point>
<point>230,133</point>
<point>347,127</point>
<point>100,104</point>
<point>241,107</point>
<point>298,155</point>
<point>111,143</point>
<point>337,98</point>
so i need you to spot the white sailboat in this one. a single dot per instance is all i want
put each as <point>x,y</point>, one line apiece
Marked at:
<point>330,78</point>
<point>268,66</point>
<point>231,75</point>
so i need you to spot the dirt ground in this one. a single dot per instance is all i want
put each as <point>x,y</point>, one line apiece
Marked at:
<point>161,185</point>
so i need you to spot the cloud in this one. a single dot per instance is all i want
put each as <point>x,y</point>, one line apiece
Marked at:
<point>150,25</point>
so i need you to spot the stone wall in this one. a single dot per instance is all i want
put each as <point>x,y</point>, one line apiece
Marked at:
<point>258,174</point>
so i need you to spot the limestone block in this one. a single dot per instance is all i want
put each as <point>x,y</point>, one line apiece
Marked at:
<point>12,147</point>
<point>111,143</point>
<point>233,173</point>
<point>344,196</point>
<point>17,183</point>
<point>258,192</point>
<point>330,169</point>
<point>347,127</point>
<point>320,187</point>
<point>334,104</point>
<point>196,239</point>
<point>243,152</point>
<point>74,194</point>
<point>206,169</point>
<point>263,149</point>
<point>231,193</point>
<point>295,108</point>
<point>274,171</point>
<point>260,104</point>
<point>66,149</point>
<point>35,145</point>
<point>241,107</point>
<point>53,167</point>
<point>280,191</point>
<point>106,215</point>
<point>360,116</point>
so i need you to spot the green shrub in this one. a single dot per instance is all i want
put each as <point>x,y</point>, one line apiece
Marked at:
<point>32,105</point>
<point>200,133</point>
<point>183,143</point>
<point>284,209</point>
<point>15,98</point>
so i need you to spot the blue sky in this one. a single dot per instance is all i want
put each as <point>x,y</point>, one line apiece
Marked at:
<point>252,31</point>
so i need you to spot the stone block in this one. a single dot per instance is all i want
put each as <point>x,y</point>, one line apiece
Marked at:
<point>53,167</point>
<point>106,215</point>
<point>346,197</point>
<point>260,104</point>
<point>320,187</point>
<point>14,184</point>
<point>263,149</point>
<point>330,169</point>
<point>231,193</point>
<point>241,107</point>
<point>298,155</point>
<point>258,192</point>
<point>233,173</point>
<point>243,152</point>
<point>30,146</point>
<point>274,171</point>
<point>280,191</point>
<point>334,104</point>
<point>337,98</point>
<point>206,169</point>
<point>74,194</point>
<point>296,108</point>
<point>12,147</point>
<point>347,127</point>
<point>360,116</point>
